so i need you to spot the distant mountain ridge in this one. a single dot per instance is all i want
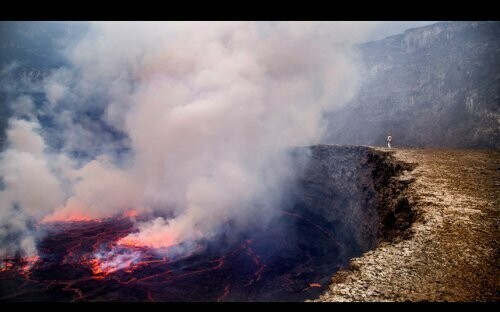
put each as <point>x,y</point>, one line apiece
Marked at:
<point>433,86</point>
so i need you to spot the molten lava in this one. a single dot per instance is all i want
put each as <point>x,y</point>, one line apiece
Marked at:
<point>21,265</point>
<point>130,213</point>
<point>68,217</point>
<point>108,260</point>
<point>106,263</point>
<point>155,240</point>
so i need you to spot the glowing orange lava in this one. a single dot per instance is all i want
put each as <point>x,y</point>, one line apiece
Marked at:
<point>22,265</point>
<point>104,265</point>
<point>97,271</point>
<point>65,217</point>
<point>6,266</point>
<point>130,213</point>
<point>152,241</point>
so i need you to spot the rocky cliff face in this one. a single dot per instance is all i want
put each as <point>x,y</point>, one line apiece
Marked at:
<point>452,254</point>
<point>352,192</point>
<point>437,85</point>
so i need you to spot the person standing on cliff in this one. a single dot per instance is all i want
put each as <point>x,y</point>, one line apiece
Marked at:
<point>389,140</point>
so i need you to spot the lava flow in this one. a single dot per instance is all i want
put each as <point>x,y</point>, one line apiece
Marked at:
<point>91,261</point>
<point>106,263</point>
<point>22,265</point>
<point>68,217</point>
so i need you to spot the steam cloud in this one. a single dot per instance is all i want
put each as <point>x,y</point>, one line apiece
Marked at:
<point>205,112</point>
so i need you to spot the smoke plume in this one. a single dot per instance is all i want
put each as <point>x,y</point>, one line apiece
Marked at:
<point>188,121</point>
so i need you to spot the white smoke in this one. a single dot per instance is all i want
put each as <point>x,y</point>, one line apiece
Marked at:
<point>31,190</point>
<point>209,110</point>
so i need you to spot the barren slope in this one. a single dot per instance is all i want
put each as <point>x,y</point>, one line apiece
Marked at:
<point>452,254</point>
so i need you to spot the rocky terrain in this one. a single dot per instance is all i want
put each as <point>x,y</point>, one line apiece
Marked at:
<point>350,190</point>
<point>433,86</point>
<point>450,252</point>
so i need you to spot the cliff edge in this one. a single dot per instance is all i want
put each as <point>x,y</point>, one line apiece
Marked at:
<point>450,253</point>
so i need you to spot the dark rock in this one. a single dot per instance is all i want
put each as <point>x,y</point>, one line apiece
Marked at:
<point>353,191</point>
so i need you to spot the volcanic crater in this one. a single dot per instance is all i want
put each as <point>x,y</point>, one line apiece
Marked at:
<point>344,201</point>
